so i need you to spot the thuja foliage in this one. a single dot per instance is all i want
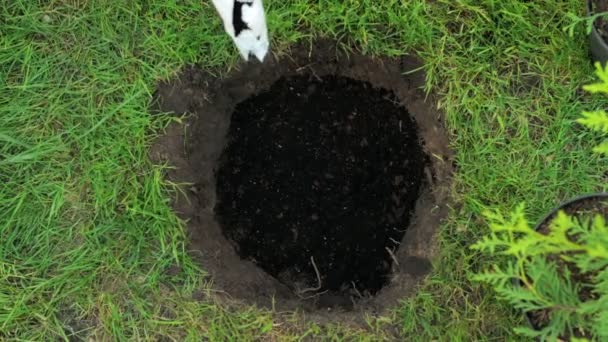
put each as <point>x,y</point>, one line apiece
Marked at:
<point>534,278</point>
<point>546,272</point>
<point>598,120</point>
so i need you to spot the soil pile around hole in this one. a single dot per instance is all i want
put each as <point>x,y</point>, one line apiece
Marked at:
<point>318,182</point>
<point>194,151</point>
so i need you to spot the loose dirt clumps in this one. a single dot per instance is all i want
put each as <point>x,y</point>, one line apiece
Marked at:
<point>315,181</point>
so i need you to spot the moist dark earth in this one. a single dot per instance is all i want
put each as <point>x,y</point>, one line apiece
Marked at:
<point>320,176</point>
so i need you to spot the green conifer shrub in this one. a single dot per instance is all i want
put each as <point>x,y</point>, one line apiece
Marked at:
<point>556,274</point>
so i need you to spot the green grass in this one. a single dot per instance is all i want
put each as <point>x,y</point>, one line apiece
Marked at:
<point>87,238</point>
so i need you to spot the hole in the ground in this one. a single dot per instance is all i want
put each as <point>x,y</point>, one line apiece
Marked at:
<point>318,182</point>
<point>304,174</point>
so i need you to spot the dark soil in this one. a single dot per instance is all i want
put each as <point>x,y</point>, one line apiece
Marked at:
<point>583,209</point>
<point>356,172</point>
<point>325,170</point>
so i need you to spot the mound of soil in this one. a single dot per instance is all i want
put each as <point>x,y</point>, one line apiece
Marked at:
<point>318,182</point>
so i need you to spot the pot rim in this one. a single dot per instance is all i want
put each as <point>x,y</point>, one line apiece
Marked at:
<point>569,202</point>
<point>594,30</point>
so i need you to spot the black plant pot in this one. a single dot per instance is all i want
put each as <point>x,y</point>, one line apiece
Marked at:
<point>597,45</point>
<point>550,216</point>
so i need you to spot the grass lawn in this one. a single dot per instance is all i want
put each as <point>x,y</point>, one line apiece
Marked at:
<point>88,243</point>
